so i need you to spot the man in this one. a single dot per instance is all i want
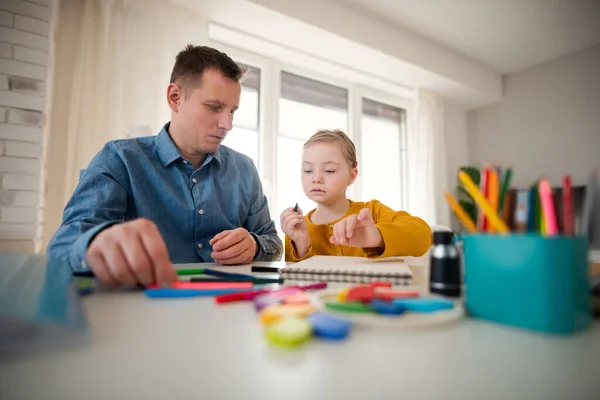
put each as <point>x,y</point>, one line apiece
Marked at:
<point>178,197</point>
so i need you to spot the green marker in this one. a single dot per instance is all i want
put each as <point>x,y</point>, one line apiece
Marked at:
<point>183,272</point>
<point>504,190</point>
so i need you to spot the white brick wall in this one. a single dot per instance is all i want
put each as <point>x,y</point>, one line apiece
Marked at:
<point>25,46</point>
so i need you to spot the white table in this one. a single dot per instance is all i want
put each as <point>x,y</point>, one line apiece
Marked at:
<point>192,348</point>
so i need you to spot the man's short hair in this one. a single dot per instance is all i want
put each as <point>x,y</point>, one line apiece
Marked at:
<point>191,62</point>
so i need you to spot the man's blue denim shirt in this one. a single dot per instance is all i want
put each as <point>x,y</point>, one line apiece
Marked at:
<point>147,177</point>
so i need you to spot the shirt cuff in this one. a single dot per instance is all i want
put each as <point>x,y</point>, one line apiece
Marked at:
<point>78,259</point>
<point>268,250</point>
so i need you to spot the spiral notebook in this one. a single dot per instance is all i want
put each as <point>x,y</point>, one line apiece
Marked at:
<point>350,270</point>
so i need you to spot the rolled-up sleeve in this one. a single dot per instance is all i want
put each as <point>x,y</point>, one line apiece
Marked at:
<point>99,201</point>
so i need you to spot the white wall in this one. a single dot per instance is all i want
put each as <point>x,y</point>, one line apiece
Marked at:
<point>25,65</point>
<point>548,123</point>
<point>457,146</point>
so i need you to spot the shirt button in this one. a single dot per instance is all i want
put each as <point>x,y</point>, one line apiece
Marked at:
<point>185,161</point>
<point>201,211</point>
<point>199,245</point>
<point>194,180</point>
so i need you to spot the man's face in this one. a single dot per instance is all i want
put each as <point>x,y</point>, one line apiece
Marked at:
<point>205,113</point>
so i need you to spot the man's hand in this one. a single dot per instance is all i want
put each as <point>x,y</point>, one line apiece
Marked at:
<point>130,253</point>
<point>357,230</point>
<point>235,246</point>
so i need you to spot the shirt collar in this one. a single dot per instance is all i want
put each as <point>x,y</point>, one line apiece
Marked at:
<point>167,152</point>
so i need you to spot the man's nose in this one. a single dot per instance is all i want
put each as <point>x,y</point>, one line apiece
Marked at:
<point>226,121</point>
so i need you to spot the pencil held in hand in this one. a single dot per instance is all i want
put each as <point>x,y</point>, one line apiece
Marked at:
<point>296,208</point>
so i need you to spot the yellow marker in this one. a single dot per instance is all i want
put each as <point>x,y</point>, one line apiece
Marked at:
<point>489,212</point>
<point>461,214</point>
<point>493,194</point>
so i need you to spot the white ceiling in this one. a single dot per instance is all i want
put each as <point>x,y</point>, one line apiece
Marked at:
<point>505,35</point>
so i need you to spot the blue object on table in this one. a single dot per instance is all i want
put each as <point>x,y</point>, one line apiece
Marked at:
<point>424,304</point>
<point>328,326</point>
<point>530,281</point>
<point>387,307</point>
<point>39,306</point>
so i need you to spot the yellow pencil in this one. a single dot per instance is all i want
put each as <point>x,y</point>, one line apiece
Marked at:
<point>493,194</point>
<point>460,212</point>
<point>490,214</point>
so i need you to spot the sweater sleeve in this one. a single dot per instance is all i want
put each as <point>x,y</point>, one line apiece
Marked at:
<point>290,251</point>
<point>403,234</point>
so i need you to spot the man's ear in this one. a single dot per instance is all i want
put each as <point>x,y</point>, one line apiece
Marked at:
<point>174,96</point>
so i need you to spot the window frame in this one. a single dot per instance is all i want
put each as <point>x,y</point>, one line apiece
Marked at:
<point>270,91</point>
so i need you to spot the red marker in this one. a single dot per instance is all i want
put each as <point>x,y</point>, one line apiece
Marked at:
<point>567,198</point>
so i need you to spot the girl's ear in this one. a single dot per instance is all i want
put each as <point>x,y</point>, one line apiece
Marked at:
<point>353,175</point>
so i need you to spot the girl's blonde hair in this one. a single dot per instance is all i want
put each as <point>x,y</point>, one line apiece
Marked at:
<point>336,136</point>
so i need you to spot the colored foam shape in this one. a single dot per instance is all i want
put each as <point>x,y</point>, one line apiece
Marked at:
<point>265,300</point>
<point>289,331</point>
<point>273,313</point>
<point>344,306</point>
<point>298,298</point>
<point>361,293</point>
<point>329,327</point>
<point>424,305</point>
<point>387,307</point>
<point>389,295</point>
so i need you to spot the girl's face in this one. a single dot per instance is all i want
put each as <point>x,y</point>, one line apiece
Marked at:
<point>326,173</point>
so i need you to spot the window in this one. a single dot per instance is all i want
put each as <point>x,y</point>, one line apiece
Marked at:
<point>382,153</point>
<point>244,135</point>
<point>305,106</point>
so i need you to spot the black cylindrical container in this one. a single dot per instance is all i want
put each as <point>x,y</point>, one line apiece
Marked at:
<point>445,273</point>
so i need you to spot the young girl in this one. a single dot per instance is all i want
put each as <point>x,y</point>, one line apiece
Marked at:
<point>339,226</point>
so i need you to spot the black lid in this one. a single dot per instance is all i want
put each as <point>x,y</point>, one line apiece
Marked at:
<point>443,237</point>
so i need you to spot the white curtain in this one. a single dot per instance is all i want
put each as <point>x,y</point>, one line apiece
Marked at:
<point>428,178</point>
<point>125,54</point>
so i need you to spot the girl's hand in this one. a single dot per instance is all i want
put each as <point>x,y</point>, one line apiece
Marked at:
<point>294,226</point>
<point>357,230</point>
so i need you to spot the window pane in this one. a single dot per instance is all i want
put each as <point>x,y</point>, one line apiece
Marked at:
<point>382,166</point>
<point>244,135</point>
<point>245,141</point>
<point>305,106</point>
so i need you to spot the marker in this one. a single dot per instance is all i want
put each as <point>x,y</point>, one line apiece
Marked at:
<point>296,208</point>
<point>221,274</point>
<point>504,190</point>
<point>460,213</point>
<point>492,216</point>
<point>567,199</point>
<point>548,207</point>
<point>254,281</point>
<point>180,272</point>
<point>206,285</point>
<point>168,292</point>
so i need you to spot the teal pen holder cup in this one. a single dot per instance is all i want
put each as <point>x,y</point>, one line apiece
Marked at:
<point>529,281</point>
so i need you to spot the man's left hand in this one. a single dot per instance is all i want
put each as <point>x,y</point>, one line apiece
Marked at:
<point>235,246</point>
